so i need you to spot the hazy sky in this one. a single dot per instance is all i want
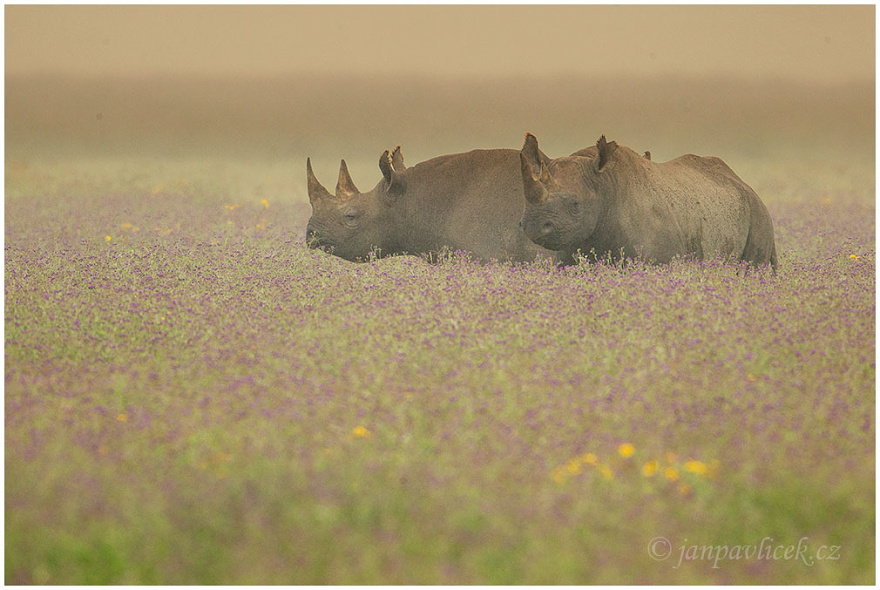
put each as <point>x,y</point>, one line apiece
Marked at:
<point>821,43</point>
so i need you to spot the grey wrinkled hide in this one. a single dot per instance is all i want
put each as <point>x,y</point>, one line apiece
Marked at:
<point>608,199</point>
<point>471,202</point>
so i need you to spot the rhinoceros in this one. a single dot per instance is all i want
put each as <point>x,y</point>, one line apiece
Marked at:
<point>610,201</point>
<point>470,201</point>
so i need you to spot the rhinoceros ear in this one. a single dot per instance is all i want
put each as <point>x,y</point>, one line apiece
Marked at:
<point>531,153</point>
<point>397,160</point>
<point>345,188</point>
<point>395,178</point>
<point>606,149</point>
<point>545,177</point>
<point>316,191</point>
<point>533,188</point>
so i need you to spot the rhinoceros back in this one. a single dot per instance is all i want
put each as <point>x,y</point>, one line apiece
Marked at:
<point>719,204</point>
<point>471,201</point>
<point>688,206</point>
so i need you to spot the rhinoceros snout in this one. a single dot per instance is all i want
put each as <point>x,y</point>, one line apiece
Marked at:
<point>312,238</point>
<point>544,234</point>
<point>540,231</point>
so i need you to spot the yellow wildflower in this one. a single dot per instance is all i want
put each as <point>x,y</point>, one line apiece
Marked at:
<point>590,459</point>
<point>361,432</point>
<point>751,377</point>
<point>697,467</point>
<point>854,256</point>
<point>108,238</point>
<point>626,450</point>
<point>650,468</point>
<point>265,203</point>
<point>671,473</point>
<point>606,471</point>
<point>558,475</point>
<point>121,417</point>
<point>573,466</point>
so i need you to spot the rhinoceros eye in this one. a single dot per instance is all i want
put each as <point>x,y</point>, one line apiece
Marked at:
<point>351,217</point>
<point>571,204</point>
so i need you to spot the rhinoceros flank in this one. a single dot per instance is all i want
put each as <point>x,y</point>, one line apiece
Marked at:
<point>470,202</point>
<point>608,200</point>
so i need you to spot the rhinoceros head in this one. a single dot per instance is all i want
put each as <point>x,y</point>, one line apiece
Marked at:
<point>564,198</point>
<point>351,224</point>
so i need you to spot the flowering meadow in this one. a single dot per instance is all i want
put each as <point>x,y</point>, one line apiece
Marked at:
<point>192,396</point>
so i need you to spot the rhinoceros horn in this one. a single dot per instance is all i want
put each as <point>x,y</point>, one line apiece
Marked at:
<point>345,188</point>
<point>391,165</point>
<point>316,191</point>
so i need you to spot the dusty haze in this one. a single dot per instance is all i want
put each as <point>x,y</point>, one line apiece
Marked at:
<point>815,43</point>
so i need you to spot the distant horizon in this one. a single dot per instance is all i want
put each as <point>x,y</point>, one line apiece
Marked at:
<point>465,79</point>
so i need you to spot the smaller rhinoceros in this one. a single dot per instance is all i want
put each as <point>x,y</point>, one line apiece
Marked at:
<point>608,200</point>
<point>470,202</point>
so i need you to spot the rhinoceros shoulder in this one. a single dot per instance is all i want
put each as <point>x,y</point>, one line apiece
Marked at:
<point>480,158</point>
<point>704,163</point>
<point>589,152</point>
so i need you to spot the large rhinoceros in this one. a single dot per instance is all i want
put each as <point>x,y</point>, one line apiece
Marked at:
<point>470,202</point>
<point>609,200</point>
